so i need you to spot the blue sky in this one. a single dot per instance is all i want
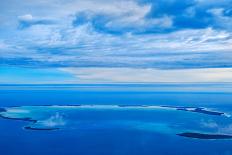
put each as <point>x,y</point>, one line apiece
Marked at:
<point>115,41</point>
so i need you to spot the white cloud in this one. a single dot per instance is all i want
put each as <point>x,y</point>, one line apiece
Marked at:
<point>209,124</point>
<point>26,17</point>
<point>54,121</point>
<point>226,129</point>
<point>125,75</point>
<point>83,46</point>
<point>220,128</point>
<point>123,14</point>
<point>220,18</point>
<point>87,45</point>
<point>85,36</point>
<point>3,45</point>
<point>127,11</point>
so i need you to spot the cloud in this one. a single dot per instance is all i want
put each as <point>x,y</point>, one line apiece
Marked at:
<point>82,46</point>
<point>137,14</point>
<point>3,45</point>
<point>125,75</point>
<point>221,20</point>
<point>28,20</point>
<point>120,17</point>
<point>163,34</point>
<point>54,121</point>
<point>217,126</point>
<point>209,124</point>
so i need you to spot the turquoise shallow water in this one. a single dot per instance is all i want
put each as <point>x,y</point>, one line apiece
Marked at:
<point>111,119</point>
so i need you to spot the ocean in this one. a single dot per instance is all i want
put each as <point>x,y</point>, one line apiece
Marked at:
<point>109,119</point>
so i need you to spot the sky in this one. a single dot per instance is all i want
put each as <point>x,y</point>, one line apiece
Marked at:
<point>115,41</point>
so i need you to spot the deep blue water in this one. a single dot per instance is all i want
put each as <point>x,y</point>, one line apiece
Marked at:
<point>110,141</point>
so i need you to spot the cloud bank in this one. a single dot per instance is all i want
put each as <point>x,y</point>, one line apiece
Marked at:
<point>136,34</point>
<point>125,75</point>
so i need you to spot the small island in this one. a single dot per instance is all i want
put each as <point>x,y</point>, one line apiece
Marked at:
<point>40,129</point>
<point>197,110</point>
<point>204,136</point>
